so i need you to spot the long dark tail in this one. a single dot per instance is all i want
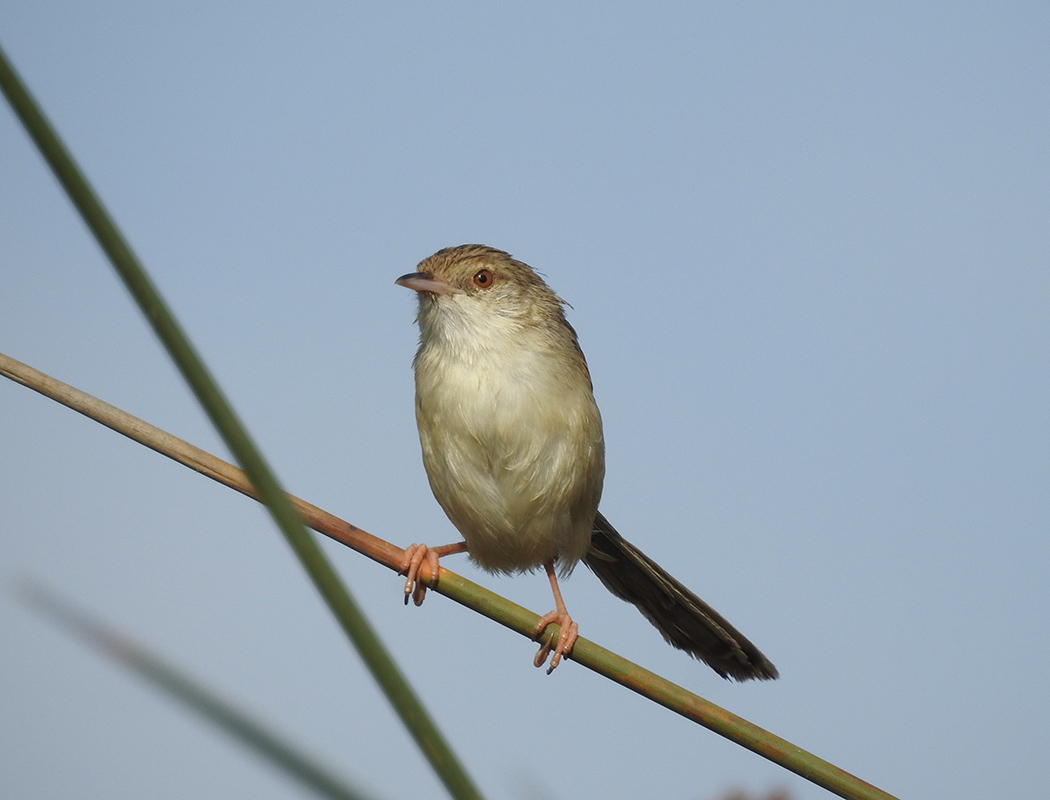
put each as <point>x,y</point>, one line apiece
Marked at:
<point>685,621</point>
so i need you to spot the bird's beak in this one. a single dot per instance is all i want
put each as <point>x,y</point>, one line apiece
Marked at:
<point>426,282</point>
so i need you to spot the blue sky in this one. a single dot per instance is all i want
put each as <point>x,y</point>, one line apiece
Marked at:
<point>806,248</point>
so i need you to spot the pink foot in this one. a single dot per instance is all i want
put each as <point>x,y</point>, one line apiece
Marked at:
<point>560,616</point>
<point>412,560</point>
<point>410,564</point>
<point>566,638</point>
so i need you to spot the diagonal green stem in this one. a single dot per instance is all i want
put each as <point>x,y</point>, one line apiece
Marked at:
<point>585,653</point>
<point>386,672</point>
<point>458,588</point>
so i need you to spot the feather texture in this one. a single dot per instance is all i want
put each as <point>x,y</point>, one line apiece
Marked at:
<point>684,620</point>
<point>513,447</point>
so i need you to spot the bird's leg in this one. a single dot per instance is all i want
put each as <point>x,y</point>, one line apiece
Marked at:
<point>413,560</point>
<point>560,616</point>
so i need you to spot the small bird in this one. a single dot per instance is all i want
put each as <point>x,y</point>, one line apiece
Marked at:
<point>514,451</point>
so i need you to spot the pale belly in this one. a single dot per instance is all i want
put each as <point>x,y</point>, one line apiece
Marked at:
<point>515,461</point>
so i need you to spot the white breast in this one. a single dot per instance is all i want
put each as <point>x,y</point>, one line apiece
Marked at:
<point>511,437</point>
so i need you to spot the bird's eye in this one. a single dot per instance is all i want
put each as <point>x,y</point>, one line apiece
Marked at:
<point>483,278</point>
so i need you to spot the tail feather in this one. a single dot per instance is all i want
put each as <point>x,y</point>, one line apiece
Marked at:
<point>684,620</point>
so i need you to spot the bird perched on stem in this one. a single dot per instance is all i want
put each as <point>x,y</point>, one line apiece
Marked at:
<point>513,448</point>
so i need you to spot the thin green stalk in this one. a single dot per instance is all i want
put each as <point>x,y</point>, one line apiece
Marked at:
<point>120,254</point>
<point>455,587</point>
<point>175,682</point>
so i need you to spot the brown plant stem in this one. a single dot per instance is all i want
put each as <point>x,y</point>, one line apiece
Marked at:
<point>491,605</point>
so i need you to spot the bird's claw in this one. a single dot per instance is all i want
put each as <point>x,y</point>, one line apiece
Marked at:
<point>569,631</point>
<point>410,564</point>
